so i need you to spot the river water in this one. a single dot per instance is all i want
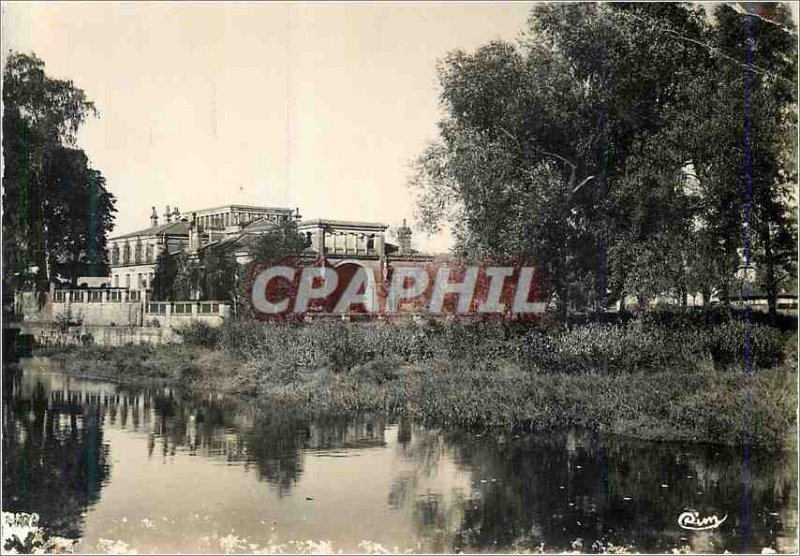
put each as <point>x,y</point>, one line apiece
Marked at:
<point>125,468</point>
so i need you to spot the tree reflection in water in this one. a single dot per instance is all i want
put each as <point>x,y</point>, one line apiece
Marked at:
<point>557,489</point>
<point>511,492</point>
<point>54,458</point>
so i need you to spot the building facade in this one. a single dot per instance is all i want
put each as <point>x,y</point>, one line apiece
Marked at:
<point>132,257</point>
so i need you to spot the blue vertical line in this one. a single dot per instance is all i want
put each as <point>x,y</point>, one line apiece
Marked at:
<point>92,233</point>
<point>603,163</point>
<point>748,85</point>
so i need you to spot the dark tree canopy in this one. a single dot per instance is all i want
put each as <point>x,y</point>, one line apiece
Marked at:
<point>57,210</point>
<point>607,147</point>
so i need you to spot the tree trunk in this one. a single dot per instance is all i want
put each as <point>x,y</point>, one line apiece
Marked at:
<point>770,283</point>
<point>725,292</point>
<point>706,294</point>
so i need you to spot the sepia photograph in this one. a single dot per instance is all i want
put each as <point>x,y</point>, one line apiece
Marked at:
<point>402,277</point>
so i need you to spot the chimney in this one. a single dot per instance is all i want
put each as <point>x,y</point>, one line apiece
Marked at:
<point>168,215</point>
<point>297,216</point>
<point>176,214</point>
<point>194,234</point>
<point>154,218</point>
<point>404,238</point>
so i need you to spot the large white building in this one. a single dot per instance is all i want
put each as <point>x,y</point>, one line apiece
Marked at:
<point>132,256</point>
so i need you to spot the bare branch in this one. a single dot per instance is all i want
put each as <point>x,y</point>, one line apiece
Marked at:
<point>582,184</point>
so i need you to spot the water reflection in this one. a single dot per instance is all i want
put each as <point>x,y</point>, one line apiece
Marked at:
<point>571,486</point>
<point>162,470</point>
<point>54,456</point>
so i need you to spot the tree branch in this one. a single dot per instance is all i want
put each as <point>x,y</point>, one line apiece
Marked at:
<point>542,151</point>
<point>581,184</point>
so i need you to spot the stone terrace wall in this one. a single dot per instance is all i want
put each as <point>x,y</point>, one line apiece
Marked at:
<point>49,335</point>
<point>114,308</point>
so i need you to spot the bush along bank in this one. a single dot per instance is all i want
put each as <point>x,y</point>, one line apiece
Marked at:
<point>645,378</point>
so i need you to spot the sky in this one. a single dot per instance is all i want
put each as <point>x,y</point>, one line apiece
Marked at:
<point>316,106</point>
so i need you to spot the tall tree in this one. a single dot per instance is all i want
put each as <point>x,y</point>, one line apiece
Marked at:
<point>220,274</point>
<point>536,136</point>
<point>276,242</point>
<point>49,189</point>
<point>767,82</point>
<point>176,277</point>
<point>624,148</point>
<point>78,201</point>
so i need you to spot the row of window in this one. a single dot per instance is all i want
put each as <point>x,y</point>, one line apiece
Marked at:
<point>225,219</point>
<point>143,281</point>
<point>137,253</point>
<point>182,308</point>
<point>96,296</point>
<point>349,243</point>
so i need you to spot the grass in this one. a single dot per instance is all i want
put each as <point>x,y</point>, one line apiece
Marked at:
<point>645,379</point>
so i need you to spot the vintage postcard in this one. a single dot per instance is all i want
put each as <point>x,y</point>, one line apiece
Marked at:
<point>399,277</point>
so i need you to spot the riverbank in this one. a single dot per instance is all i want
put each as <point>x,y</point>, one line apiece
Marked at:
<point>648,380</point>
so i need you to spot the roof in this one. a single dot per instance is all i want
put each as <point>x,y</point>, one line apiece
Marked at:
<point>238,243</point>
<point>259,225</point>
<point>180,228</point>
<point>241,207</point>
<point>348,224</point>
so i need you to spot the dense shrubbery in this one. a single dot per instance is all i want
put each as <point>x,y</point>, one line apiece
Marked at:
<point>200,334</point>
<point>694,317</point>
<point>647,378</point>
<point>592,348</point>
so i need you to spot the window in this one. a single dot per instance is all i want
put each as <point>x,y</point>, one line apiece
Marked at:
<point>137,252</point>
<point>95,296</point>
<point>157,308</point>
<point>134,295</point>
<point>371,242</point>
<point>116,280</point>
<point>115,296</point>
<point>209,308</point>
<point>149,251</point>
<point>115,254</point>
<point>60,296</point>
<point>183,309</point>
<point>139,281</point>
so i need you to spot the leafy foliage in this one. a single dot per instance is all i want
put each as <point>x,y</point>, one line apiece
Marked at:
<point>277,242</point>
<point>175,277</point>
<point>608,147</point>
<point>57,211</point>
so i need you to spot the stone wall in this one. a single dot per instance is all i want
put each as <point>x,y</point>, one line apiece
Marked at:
<point>50,335</point>
<point>114,308</point>
<point>80,306</point>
